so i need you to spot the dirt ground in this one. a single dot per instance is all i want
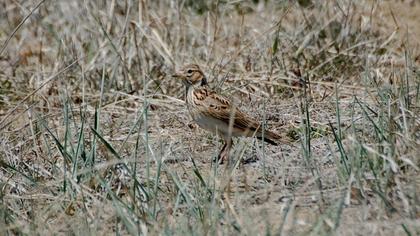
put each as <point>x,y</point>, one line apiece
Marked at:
<point>106,145</point>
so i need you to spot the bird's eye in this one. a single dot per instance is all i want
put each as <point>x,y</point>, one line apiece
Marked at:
<point>189,71</point>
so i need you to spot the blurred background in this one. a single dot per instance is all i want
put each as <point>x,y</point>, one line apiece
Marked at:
<point>95,137</point>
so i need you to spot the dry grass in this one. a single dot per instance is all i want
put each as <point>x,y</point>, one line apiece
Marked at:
<point>95,137</point>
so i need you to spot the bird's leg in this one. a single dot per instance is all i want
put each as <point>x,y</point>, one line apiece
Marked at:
<point>224,153</point>
<point>220,156</point>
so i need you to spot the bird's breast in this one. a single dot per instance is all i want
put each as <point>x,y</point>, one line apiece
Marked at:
<point>210,123</point>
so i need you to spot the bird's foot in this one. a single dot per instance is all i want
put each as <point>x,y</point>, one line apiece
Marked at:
<point>250,160</point>
<point>221,158</point>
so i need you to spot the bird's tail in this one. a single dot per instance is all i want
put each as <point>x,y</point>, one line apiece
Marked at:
<point>273,138</point>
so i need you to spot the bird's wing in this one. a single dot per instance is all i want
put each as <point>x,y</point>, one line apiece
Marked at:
<point>219,107</point>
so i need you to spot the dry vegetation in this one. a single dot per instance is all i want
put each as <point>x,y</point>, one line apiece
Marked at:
<point>95,137</point>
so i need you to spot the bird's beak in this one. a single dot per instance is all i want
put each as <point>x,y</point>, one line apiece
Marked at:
<point>176,75</point>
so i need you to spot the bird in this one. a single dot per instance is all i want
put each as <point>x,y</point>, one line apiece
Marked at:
<point>216,113</point>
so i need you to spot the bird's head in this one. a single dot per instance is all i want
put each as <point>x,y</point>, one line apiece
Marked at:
<point>191,75</point>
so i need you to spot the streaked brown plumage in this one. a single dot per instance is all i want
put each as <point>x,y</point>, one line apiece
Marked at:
<point>216,113</point>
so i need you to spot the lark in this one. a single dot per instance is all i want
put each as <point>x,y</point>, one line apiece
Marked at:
<point>217,114</point>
